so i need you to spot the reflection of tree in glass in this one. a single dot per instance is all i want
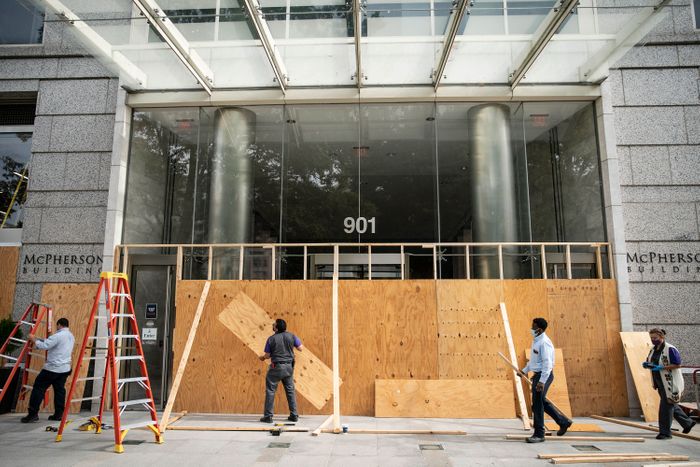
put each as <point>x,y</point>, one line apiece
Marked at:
<point>8,184</point>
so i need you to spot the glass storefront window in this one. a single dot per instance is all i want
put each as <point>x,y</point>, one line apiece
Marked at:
<point>368,173</point>
<point>15,152</point>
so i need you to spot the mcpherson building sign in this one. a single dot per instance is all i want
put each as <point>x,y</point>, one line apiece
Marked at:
<point>55,267</point>
<point>657,265</point>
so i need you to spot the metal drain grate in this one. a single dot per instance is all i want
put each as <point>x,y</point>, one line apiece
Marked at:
<point>133,442</point>
<point>430,447</point>
<point>279,445</point>
<point>585,448</point>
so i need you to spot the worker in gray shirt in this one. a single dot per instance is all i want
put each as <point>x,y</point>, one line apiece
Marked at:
<point>280,349</point>
<point>55,372</point>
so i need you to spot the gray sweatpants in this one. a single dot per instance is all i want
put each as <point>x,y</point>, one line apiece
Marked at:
<point>281,372</point>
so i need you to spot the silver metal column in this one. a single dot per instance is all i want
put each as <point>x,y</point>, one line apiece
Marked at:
<point>492,181</point>
<point>231,186</point>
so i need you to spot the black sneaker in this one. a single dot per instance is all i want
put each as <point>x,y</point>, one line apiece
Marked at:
<point>564,427</point>
<point>660,436</point>
<point>534,439</point>
<point>687,430</point>
<point>266,419</point>
<point>55,418</point>
<point>30,419</point>
<point>293,418</point>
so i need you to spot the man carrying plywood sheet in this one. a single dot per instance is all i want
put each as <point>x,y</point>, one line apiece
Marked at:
<point>279,348</point>
<point>542,365</point>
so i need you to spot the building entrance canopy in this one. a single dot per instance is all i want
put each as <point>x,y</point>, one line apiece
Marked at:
<point>283,44</point>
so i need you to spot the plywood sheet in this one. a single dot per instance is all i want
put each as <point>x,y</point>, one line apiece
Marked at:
<point>559,390</point>
<point>444,398</point>
<point>637,346</point>
<point>388,330</point>
<point>74,302</point>
<point>251,324</point>
<point>9,256</point>
<point>222,374</point>
<point>471,330</point>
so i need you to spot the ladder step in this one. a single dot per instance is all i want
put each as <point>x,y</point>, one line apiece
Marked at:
<point>137,425</point>
<point>26,386</point>
<point>132,380</point>
<point>22,341</point>
<point>86,399</point>
<point>116,315</point>
<point>90,378</point>
<point>8,357</point>
<point>37,355</point>
<point>134,402</point>
<point>129,357</point>
<point>121,295</point>
<point>126,336</point>
<point>29,370</point>
<point>28,323</point>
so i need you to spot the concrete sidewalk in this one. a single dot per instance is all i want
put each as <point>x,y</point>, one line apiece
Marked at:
<point>30,445</point>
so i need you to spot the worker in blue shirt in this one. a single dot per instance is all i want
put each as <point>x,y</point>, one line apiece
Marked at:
<point>56,369</point>
<point>280,349</point>
<point>542,365</point>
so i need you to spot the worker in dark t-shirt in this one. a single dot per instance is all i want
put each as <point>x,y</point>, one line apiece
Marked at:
<point>279,348</point>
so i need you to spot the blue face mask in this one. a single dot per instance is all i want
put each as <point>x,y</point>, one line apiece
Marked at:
<point>533,332</point>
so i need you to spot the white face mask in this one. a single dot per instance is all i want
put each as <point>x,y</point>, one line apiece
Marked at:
<point>533,332</point>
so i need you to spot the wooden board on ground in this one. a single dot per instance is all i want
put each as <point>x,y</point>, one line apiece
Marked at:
<point>644,427</point>
<point>576,427</point>
<point>252,325</point>
<point>444,398</point>
<point>9,257</point>
<point>558,390</point>
<point>592,439</point>
<point>74,302</point>
<point>637,346</point>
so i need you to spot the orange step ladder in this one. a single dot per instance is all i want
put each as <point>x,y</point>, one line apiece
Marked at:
<point>121,327</point>
<point>34,316</point>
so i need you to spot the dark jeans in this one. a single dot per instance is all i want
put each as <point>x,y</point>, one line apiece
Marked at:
<point>42,382</point>
<point>280,372</point>
<point>540,405</point>
<point>667,412</point>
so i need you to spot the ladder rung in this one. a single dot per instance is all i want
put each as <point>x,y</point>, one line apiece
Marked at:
<point>129,357</point>
<point>121,295</point>
<point>137,424</point>
<point>132,380</point>
<point>86,399</point>
<point>8,357</point>
<point>116,315</point>
<point>27,323</point>
<point>126,336</point>
<point>37,355</point>
<point>17,340</point>
<point>34,372</point>
<point>90,378</point>
<point>27,386</point>
<point>134,402</point>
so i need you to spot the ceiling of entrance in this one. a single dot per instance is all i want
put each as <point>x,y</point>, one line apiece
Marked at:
<point>286,44</point>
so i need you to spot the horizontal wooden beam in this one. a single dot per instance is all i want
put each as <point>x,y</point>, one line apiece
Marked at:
<point>236,428</point>
<point>617,439</point>
<point>642,427</point>
<point>601,454</point>
<point>621,458</point>
<point>367,431</point>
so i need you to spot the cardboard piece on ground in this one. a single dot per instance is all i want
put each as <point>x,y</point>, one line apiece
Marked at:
<point>637,346</point>
<point>444,398</point>
<point>577,427</point>
<point>559,389</point>
<point>73,302</point>
<point>252,325</point>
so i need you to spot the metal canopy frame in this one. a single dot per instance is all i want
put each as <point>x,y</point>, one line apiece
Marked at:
<point>255,12</point>
<point>542,36</point>
<point>97,42</point>
<point>452,28</point>
<point>357,27</point>
<point>177,42</point>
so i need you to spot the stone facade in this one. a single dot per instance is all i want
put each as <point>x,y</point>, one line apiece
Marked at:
<point>65,212</point>
<point>656,103</point>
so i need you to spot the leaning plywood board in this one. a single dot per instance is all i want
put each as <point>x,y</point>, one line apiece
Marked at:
<point>73,302</point>
<point>444,398</point>
<point>558,390</point>
<point>637,346</point>
<point>252,325</point>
